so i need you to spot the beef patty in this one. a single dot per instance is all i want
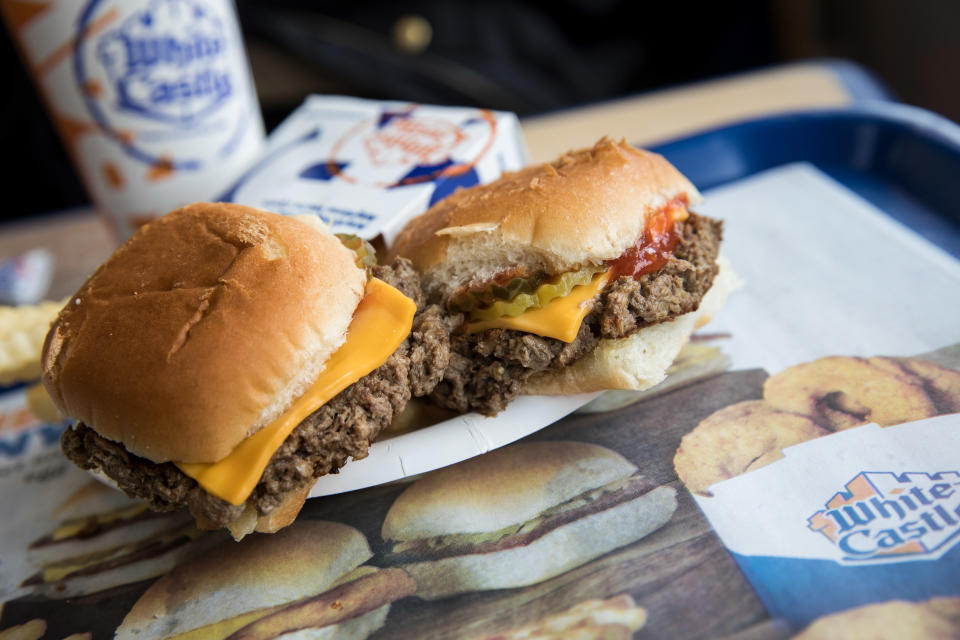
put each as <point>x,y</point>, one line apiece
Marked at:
<point>488,368</point>
<point>321,444</point>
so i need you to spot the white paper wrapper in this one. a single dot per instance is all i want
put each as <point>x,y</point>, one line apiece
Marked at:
<point>367,166</point>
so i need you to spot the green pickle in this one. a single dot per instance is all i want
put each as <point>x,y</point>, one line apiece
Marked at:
<point>470,300</point>
<point>528,297</point>
<point>366,254</point>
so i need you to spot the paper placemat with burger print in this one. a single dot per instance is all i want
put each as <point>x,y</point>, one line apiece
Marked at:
<point>584,528</point>
<point>837,485</point>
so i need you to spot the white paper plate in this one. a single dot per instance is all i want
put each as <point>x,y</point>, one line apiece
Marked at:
<point>448,442</point>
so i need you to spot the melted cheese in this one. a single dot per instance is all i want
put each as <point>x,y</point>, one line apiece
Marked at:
<point>71,528</point>
<point>58,572</point>
<point>561,317</point>
<point>382,321</point>
<point>224,628</point>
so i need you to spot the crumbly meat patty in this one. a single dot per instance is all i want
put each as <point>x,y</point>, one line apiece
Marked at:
<point>321,444</point>
<point>487,369</point>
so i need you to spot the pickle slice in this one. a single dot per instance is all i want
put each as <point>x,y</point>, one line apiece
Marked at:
<point>366,254</point>
<point>469,300</point>
<point>556,287</point>
<point>515,287</point>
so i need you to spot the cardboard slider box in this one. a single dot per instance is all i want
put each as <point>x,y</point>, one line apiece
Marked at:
<point>366,166</point>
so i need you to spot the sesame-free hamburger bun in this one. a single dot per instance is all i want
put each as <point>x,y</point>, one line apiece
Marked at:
<point>104,539</point>
<point>519,515</point>
<point>224,357</point>
<point>589,205</point>
<point>309,576</point>
<point>189,303</point>
<point>582,274</point>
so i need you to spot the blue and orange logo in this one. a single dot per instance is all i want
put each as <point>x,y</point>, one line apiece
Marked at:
<point>21,431</point>
<point>883,516</point>
<point>400,148</point>
<point>168,62</point>
<point>165,74</point>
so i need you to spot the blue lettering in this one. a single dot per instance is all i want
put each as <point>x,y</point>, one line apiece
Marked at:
<point>847,543</point>
<point>14,446</point>
<point>944,515</point>
<point>884,507</point>
<point>926,517</point>
<point>888,538</point>
<point>149,52</point>
<point>941,491</point>
<point>50,434</point>
<point>204,83</point>
<point>855,519</point>
<point>913,530</point>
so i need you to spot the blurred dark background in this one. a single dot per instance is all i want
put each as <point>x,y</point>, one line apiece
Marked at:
<point>529,57</point>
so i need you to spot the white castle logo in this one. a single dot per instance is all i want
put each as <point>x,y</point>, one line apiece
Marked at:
<point>168,62</point>
<point>883,516</point>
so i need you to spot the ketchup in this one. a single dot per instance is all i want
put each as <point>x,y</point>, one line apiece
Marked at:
<point>654,246</point>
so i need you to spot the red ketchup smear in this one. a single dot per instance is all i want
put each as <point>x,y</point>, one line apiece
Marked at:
<point>654,246</point>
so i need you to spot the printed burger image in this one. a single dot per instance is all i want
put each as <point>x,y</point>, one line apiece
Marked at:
<point>106,539</point>
<point>225,357</point>
<point>577,529</point>
<point>309,578</point>
<point>520,515</point>
<point>609,619</point>
<point>583,274</point>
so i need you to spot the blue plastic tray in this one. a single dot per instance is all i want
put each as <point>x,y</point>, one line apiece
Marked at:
<point>904,160</point>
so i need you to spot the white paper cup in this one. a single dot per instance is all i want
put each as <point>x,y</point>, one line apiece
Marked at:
<point>152,98</point>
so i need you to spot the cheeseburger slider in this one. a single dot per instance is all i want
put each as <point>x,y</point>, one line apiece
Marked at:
<point>578,275</point>
<point>105,539</point>
<point>224,357</point>
<point>519,515</point>
<point>309,579</point>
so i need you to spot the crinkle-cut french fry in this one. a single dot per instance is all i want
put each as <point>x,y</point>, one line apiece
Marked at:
<point>22,331</point>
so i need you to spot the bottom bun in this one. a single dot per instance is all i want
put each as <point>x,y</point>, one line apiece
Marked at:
<point>247,522</point>
<point>641,360</point>
<point>233,579</point>
<point>285,513</point>
<point>556,552</point>
<point>695,362</point>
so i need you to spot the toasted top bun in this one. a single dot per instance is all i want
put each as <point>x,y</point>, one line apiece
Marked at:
<point>587,206</point>
<point>200,329</point>
<point>303,560</point>
<point>504,487</point>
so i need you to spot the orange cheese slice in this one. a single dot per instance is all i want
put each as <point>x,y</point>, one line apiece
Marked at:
<point>225,628</point>
<point>382,321</point>
<point>559,319</point>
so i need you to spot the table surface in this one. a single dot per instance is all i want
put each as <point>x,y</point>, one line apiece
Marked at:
<point>80,241</point>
